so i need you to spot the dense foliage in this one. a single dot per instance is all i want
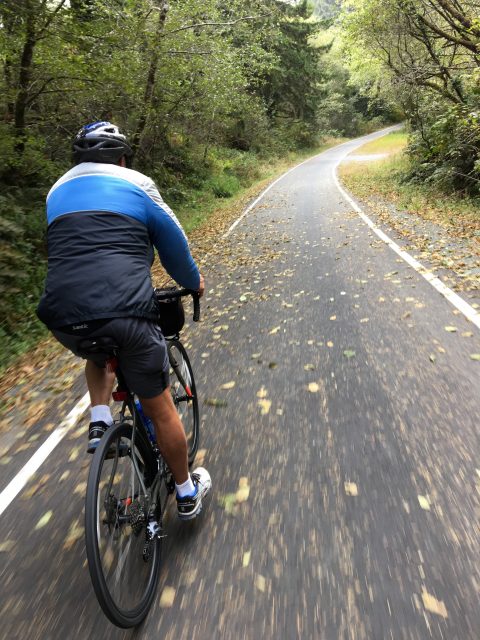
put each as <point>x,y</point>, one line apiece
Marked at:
<point>426,55</point>
<point>202,88</point>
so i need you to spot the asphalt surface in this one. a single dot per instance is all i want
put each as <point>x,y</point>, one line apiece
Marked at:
<point>345,458</point>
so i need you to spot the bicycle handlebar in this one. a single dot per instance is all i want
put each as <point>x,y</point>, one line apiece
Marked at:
<point>180,293</point>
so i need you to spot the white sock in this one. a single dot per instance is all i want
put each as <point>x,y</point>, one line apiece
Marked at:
<point>187,488</point>
<point>101,413</point>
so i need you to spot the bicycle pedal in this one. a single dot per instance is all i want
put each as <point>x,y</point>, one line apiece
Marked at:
<point>154,530</point>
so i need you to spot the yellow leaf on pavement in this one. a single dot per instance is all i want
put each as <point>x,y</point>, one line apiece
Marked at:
<point>424,502</point>
<point>246,558</point>
<point>228,385</point>
<point>167,597</point>
<point>313,387</point>
<point>351,489</point>
<point>45,519</point>
<point>260,583</point>
<point>243,490</point>
<point>433,605</point>
<point>264,406</point>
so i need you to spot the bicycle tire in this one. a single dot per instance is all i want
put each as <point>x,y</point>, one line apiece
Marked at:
<point>188,409</point>
<point>120,615</point>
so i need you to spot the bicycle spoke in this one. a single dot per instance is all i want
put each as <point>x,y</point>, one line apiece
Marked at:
<point>121,526</point>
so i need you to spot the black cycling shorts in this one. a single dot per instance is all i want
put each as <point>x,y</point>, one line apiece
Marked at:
<point>142,353</point>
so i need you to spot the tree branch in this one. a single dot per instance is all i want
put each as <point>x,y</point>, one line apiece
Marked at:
<point>468,44</point>
<point>230,23</point>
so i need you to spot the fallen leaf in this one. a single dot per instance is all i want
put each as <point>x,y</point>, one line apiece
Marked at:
<point>74,454</point>
<point>424,502</point>
<point>363,320</point>
<point>260,583</point>
<point>433,605</point>
<point>214,402</point>
<point>348,353</point>
<point>450,329</point>
<point>330,344</point>
<point>7,545</point>
<point>167,597</point>
<point>333,317</point>
<point>475,356</point>
<point>228,502</point>
<point>262,393</point>
<point>81,488</point>
<point>243,490</point>
<point>228,385</point>
<point>274,331</point>
<point>246,558</point>
<point>44,520</point>
<point>432,357</point>
<point>351,489</point>
<point>313,387</point>
<point>309,367</point>
<point>75,533</point>
<point>467,334</point>
<point>264,406</point>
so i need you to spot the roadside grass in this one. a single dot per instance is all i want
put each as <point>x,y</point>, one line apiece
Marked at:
<point>394,142</point>
<point>385,178</point>
<point>204,214</point>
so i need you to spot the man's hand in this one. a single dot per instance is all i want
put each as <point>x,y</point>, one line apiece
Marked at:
<point>201,288</point>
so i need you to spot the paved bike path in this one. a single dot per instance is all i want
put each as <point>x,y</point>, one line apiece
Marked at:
<point>345,462</point>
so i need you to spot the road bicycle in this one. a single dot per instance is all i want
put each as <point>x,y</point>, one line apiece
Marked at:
<point>129,482</point>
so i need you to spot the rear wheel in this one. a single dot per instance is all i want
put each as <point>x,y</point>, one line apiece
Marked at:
<point>124,561</point>
<point>184,394</point>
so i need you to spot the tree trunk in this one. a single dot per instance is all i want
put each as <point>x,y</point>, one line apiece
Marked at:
<point>24,78</point>
<point>163,8</point>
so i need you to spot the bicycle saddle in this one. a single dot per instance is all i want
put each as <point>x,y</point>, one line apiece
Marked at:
<point>103,345</point>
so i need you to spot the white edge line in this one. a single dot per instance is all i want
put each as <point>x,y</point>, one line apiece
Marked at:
<point>23,476</point>
<point>457,301</point>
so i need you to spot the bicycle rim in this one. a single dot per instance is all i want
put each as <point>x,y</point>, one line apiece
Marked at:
<point>184,394</point>
<point>123,576</point>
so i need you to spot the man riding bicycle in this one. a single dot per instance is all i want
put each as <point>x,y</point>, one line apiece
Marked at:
<point>103,221</point>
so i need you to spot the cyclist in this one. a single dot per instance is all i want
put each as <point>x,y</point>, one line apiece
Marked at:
<point>103,221</point>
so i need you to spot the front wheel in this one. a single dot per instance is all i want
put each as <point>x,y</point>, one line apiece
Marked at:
<point>184,394</point>
<point>123,558</point>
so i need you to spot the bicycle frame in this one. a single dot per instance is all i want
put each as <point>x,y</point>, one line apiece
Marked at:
<point>153,493</point>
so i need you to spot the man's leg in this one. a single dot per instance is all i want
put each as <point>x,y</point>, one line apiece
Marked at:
<point>100,383</point>
<point>170,433</point>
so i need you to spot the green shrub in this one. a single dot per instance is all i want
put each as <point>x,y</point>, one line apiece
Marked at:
<point>224,185</point>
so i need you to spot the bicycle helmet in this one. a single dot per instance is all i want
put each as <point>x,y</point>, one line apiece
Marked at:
<point>100,142</point>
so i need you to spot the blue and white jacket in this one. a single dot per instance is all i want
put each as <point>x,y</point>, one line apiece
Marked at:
<point>103,222</point>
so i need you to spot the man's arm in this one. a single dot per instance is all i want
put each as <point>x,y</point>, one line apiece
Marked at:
<point>170,241</point>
